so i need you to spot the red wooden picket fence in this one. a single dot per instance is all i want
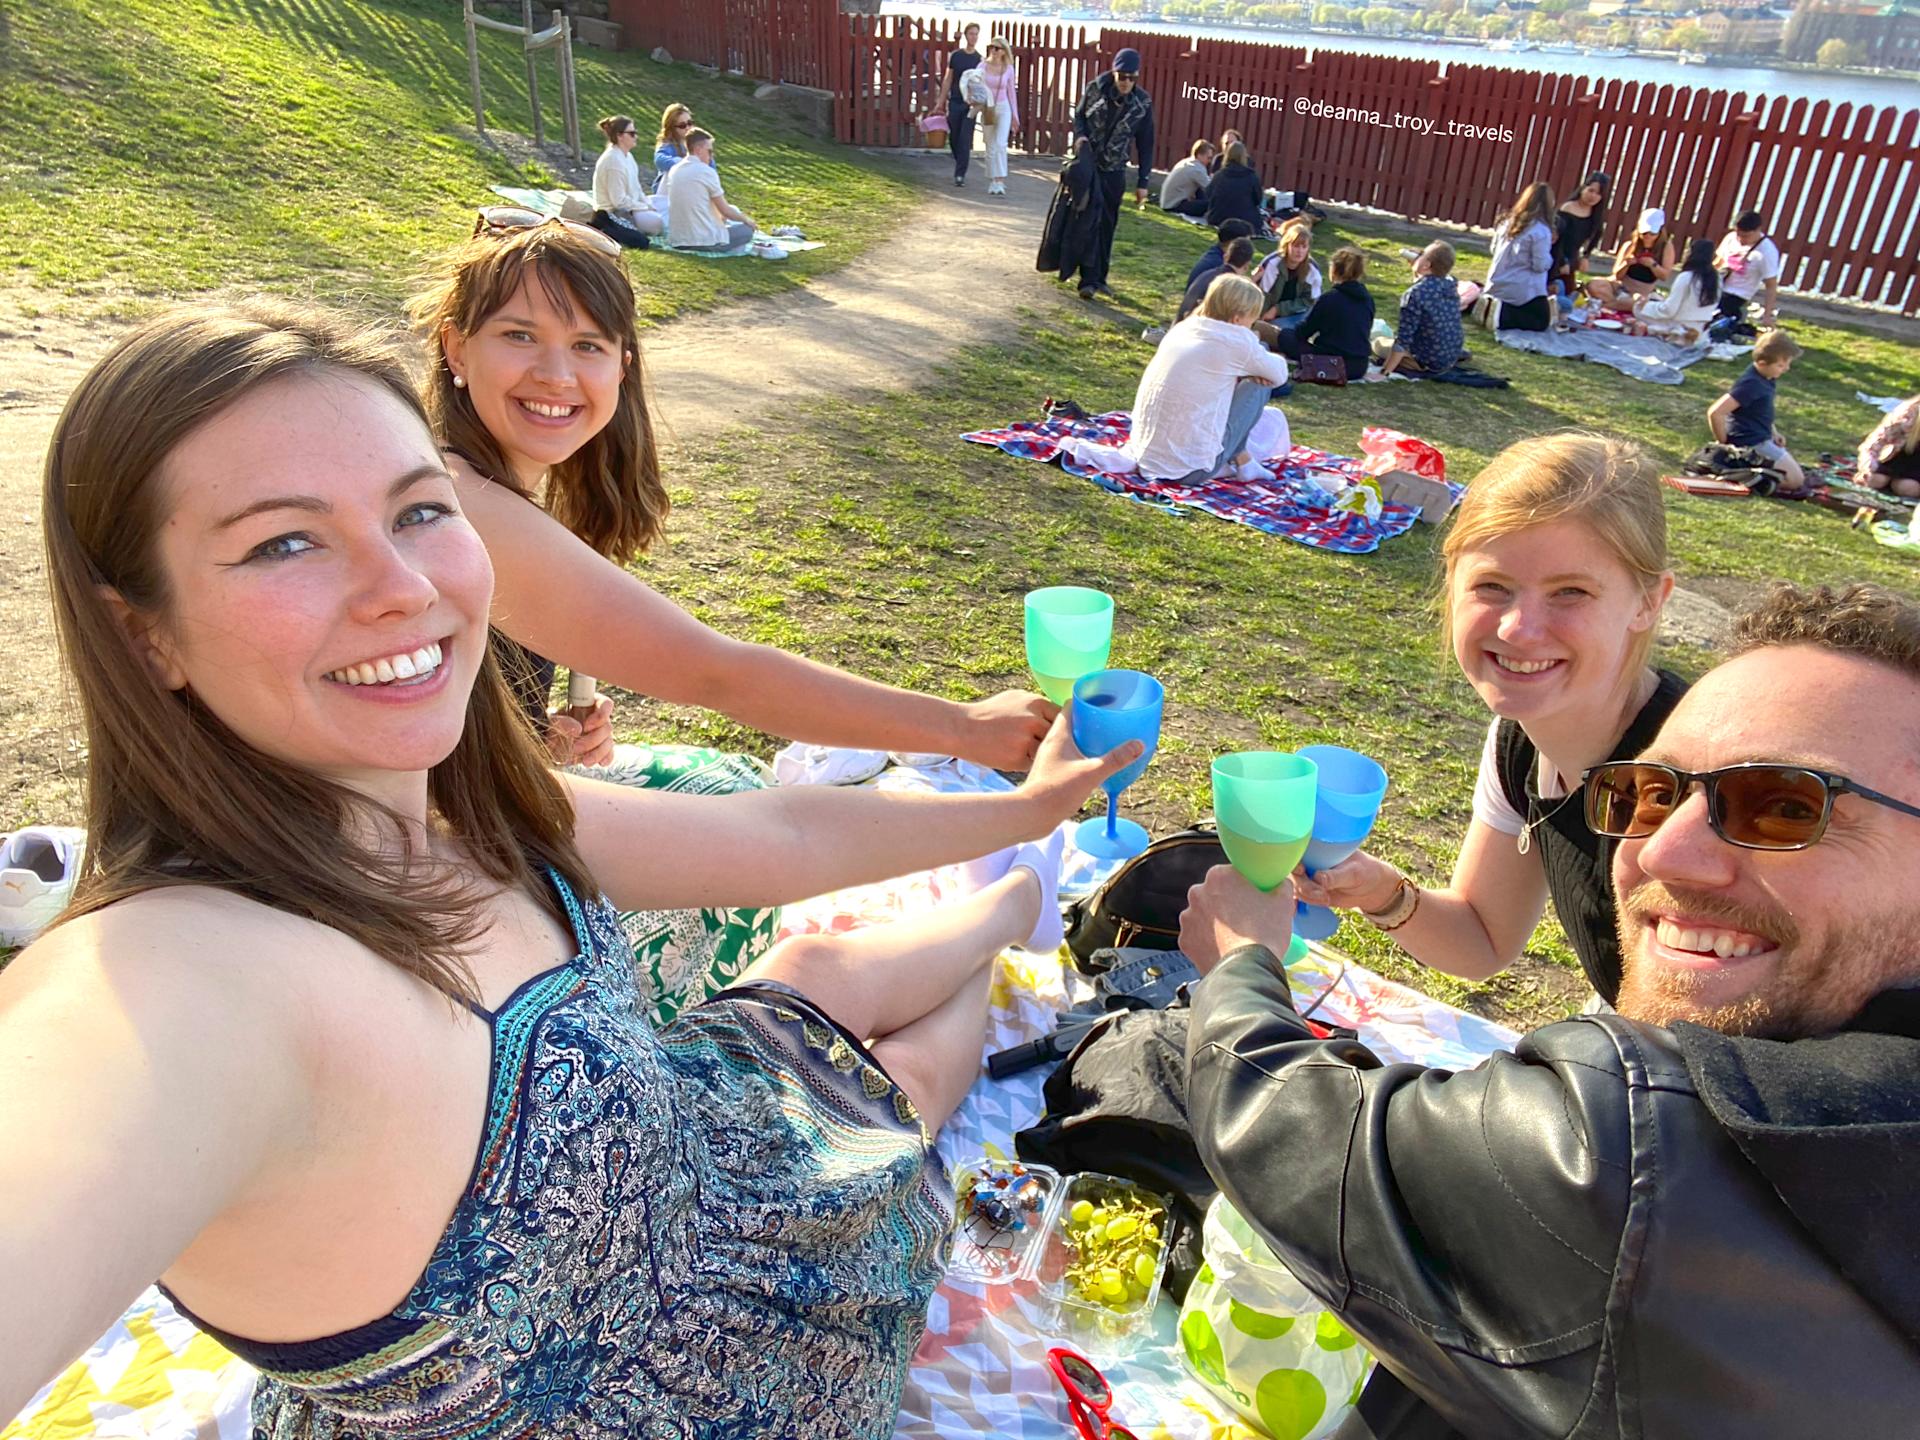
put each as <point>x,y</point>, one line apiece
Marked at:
<point>1839,184</point>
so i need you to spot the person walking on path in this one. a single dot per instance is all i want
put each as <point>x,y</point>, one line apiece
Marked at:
<point>1115,119</point>
<point>1001,110</point>
<point>959,112</point>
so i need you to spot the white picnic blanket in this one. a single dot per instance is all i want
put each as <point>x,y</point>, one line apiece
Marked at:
<point>1643,357</point>
<point>981,1370</point>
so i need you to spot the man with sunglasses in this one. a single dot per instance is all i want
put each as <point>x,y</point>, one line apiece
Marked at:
<point>1695,1218</point>
<point>1114,119</point>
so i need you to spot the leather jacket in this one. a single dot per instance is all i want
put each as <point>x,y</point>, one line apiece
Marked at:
<point>1118,125</point>
<point>1616,1230</point>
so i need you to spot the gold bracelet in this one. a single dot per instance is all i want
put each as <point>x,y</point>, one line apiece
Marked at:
<point>1397,911</point>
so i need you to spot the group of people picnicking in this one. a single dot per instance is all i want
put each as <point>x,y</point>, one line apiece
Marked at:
<point>687,205</point>
<point>342,996</point>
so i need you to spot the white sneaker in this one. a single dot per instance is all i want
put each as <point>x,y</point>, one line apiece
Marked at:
<point>997,188</point>
<point>38,866</point>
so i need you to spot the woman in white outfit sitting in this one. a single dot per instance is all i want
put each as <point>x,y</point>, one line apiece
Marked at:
<point>621,208</point>
<point>1686,310</point>
<point>1204,389</point>
<point>1000,111</point>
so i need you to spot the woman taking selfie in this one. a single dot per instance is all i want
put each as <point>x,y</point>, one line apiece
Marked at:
<point>339,996</point>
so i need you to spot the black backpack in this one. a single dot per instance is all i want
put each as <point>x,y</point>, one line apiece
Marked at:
<point>1140,904</point>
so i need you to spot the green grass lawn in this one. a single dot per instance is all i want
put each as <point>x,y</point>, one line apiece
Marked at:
<point>161,147</point>
<point>883,544</point>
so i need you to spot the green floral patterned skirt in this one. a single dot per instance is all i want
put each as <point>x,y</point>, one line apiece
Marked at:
<point>682,957</point>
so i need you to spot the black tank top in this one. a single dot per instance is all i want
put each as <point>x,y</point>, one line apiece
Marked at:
<point>1578,862</point>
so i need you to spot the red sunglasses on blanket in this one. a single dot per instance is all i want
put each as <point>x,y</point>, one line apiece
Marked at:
<point>1089,1396</point>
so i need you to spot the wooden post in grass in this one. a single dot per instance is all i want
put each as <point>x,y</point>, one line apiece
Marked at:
<point>533,74</point>
<point>473,67</point>
<point>567,86</point>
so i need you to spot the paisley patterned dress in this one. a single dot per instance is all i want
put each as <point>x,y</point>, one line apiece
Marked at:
<point>731,1227</point>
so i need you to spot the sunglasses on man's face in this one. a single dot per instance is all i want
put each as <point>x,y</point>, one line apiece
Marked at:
<point>1089,1396</point>
<point>1756,806</point>
<point>506,219</point>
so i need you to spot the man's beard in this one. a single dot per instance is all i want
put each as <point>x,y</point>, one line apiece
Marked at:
<point>1802,992</point>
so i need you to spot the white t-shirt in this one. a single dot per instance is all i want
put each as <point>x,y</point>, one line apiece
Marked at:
<point>1745,273</point>
<point>691,187</point>
<point>1180,410</point>
<point>1490,805</point>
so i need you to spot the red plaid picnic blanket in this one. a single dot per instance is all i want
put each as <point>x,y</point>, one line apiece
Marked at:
<point>1285,503</point>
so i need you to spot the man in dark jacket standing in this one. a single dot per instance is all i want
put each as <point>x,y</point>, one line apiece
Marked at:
<point>1115,118</point>
<point>1690,1220</point>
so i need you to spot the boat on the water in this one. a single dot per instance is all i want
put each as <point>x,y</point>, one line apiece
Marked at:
<point>1559,48</point>
<point>1611,53</point>
<point>1691,57</point>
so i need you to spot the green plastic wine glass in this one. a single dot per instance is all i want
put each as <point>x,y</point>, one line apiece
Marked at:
<point>1069,634</point>
<point>1264,803</point>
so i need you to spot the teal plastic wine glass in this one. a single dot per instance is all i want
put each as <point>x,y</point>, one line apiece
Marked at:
<point>1263,801</point>
<point>1069,634</point>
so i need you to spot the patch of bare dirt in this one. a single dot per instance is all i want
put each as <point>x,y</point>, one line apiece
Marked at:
<point>43,354</point>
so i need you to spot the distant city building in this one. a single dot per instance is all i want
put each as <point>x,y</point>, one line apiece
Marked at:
<point>1886,35</point>
<point>1744,32</point>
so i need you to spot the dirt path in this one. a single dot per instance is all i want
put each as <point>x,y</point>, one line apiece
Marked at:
<point>957,273</point>
<point>954,275</point>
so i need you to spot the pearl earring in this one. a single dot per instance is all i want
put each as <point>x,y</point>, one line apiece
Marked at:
<point>459,382</point>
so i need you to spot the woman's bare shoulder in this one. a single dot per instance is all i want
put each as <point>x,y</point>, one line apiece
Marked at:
<point>201,946</point>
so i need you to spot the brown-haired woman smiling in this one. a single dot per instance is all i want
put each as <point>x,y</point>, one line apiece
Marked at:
<point>340,997</point>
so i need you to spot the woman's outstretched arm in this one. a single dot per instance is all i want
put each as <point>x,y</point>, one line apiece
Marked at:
<point>148,1086</point>
<point>652,850</point>
<point>554,594</point>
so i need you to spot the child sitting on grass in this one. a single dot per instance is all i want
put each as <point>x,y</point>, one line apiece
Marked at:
<point>1744,415</point>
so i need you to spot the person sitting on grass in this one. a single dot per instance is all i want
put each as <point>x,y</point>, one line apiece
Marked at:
<point>1744,415</point>
<point>1429,338</point>
<point>699,215</point>
<point>1685,311</point>
<point>1211,257</point>
<point>1554,575</point>
<point>1643,262</point>
<point>1750,269</point>
<point>1522,259</point>
<point>670,146</point>
<point>1184,191</point>
<point>342,999</point>
<point>1289,277</point>
<point>1576,226</point>
<point>1227,138</point>
<point>1237,260</point>
<point>1341,321</point>
<point>1693,1218</point>
<point>1235,192</point>
<point>621,208</point>
<point>1204,389</point>
<point>1890,457</point>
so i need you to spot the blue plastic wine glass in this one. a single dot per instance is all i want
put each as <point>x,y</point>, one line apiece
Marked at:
<point>1111,707</point>
<point>1346,803</point>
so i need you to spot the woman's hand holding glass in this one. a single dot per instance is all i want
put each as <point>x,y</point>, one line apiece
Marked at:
<point>1061,778</point>
<point>1359,882</point>
<point>1005,731</point>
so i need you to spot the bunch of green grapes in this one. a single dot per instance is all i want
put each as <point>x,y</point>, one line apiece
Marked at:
<point>1117,1249</point>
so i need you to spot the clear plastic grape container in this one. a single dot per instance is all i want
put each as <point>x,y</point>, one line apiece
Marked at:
<point>986,1247</point>
<point>1101,1264</point>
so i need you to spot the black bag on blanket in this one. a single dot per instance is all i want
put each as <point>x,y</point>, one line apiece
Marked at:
<point>1140,904</point>
<point>1118,1104</point>
<point>1742,464</point>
